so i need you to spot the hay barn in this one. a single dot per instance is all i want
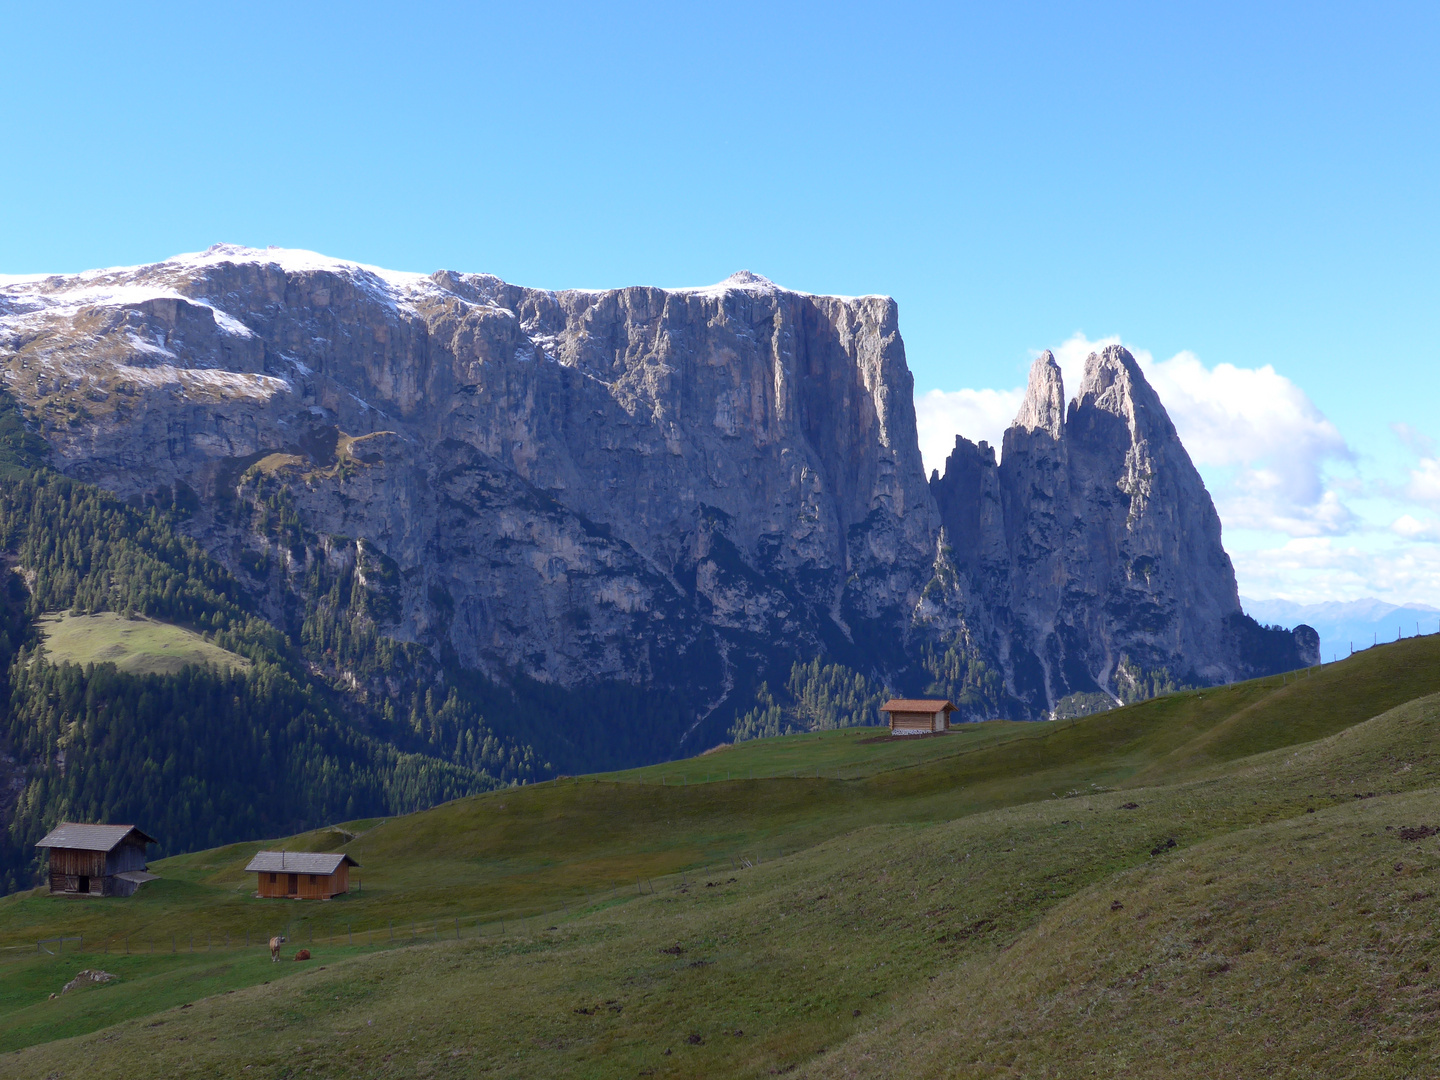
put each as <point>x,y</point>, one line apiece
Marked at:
<point>96,860</point>
<point>301,875</point>
<point>917,716</point>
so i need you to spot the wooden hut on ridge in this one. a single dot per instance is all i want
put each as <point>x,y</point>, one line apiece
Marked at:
<point>917,716</point>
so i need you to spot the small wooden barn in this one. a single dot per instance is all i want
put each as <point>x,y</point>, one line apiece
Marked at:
<point>301,875</point>
<point>96,860</point>
<point>917,716</point>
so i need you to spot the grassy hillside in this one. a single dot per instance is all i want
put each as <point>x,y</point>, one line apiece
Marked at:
<point>965,911</point>
<point>137,646</point>
<point>845,753</point>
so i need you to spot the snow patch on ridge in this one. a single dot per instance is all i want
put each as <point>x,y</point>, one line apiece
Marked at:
<point>32,307</point>
<point>297,261</point>
<point>33,299</point>
<point>242,383</point>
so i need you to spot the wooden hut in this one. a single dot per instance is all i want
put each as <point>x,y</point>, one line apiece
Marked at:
<point>917,716</point>
<point>96,860</point>
<point>301,875</point>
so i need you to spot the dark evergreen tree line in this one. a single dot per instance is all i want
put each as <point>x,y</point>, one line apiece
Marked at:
<point>203,756</point>
<point>816,697</point>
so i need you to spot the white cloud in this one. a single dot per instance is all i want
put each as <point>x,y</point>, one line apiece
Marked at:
<point>977,414</point>
<point>1424,484</point>
<point>1412,528</point>
<point>1319,569</point>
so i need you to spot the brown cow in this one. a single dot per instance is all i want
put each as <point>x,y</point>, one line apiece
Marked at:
<point>275,943</point>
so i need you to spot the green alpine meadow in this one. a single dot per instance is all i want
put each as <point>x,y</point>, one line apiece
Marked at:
<point>1240,879</point>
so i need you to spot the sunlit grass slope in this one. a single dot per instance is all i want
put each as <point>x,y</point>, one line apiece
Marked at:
<point>848,753</point>
<point>521,852</point>
<point>138,645</point>
<point>963,905</point>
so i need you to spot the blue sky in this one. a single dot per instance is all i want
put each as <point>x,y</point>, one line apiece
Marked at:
<point>1244,193</point>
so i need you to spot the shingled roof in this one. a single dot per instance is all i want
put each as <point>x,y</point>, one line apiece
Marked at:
<point>81,837</point>
<point>921,705</point>
<point>298,862</point>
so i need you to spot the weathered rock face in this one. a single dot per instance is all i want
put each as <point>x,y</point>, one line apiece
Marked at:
<point>1096,554</point>
<point>675,490</point>
<point>639,485</point>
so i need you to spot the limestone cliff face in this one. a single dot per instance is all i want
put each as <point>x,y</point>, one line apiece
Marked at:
<point>639,485</point>
<point>675,491</point>
<point>1104,563</point>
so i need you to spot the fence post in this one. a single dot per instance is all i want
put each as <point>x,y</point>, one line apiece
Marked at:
<point>457,927</point>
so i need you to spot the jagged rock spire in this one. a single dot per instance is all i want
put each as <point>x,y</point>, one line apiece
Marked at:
<point>1044,405</point>
<point>1114,383</point>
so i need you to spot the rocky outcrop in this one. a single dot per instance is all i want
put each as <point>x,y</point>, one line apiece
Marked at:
<point>1105,557</point>
<point>671,491</point>
<point>638,486</point>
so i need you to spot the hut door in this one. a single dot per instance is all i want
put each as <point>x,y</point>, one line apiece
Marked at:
<point>84,883</point>
<point>292,884</point>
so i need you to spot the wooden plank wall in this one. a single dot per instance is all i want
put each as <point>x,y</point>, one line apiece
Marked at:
<point>307,886</point>
<point>912,721</point>
<point>127,856</point>
<point>70,861</point>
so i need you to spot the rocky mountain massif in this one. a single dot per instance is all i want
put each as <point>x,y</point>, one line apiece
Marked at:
<point>609,518</point>
<point>1090,554</point>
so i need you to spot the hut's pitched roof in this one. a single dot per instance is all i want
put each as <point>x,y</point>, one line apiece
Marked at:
<point>298,862</point>
<point>81,837</point>
<point>917,705</point>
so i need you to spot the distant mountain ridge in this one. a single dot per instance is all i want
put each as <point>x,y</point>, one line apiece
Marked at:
<point>1344,625</point>
<point>628,508</point>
